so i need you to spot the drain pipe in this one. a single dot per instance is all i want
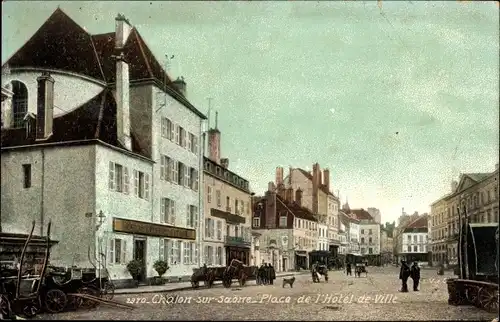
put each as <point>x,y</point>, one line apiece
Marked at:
<point>42,215</point>
<point>201,210</point>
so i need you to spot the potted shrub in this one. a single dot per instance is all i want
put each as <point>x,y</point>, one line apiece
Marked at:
<point>161,267</point>
<point>134,267</point>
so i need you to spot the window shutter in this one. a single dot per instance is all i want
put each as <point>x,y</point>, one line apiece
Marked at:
<point>184,139</point>
<point>189,141</point>
<point>196,253</point>
<point>111,176</point>
<point>163,126</point>
<point>205,255</point>
<point>146,186</point>
<point>163,218</point>
<point>196,182</point>
<point>172,130</point>
<point>123,256</point>
<point>161,248</point>
<point>172,212</point>
<point>188,216</point>
<point>162,167</point>
<point>195,217</point>
<point>176,133</point>
<point>207,228</point>
<point>136,183</point>
<point>111,251</point>
<point>195,144</point>
<point>125,180</point>
<point>168,175</point>
<point>187,176</point>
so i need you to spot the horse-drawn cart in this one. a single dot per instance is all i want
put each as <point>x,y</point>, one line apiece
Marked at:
<point>236,270</point>
<point>478,267</point>
<point>52,290</point>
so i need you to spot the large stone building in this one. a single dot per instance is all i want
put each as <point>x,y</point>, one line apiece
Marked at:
<point>318,198</point>
<point>98,140</point>
<point>227,209</point>
<point>352,229</point>
<point>386,247</point>
<point>289,231</point>
<point>475,193</point>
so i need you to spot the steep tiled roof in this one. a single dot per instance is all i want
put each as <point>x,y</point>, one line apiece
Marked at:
<point>60,44</point>
<point>361,214</point>
<point>95,119</point>
<point>309,176</point>
<point>420,222</point>
<point>298,211</point>
<point>478,176</point>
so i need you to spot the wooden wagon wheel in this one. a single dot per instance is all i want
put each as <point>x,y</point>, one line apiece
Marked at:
<point>471,293</point>
<point>488,298</point>
<point>108,290</point>
<point>55,301</point>
<point>87,303</point>
<point>5,310</point>
<point>31,308</point>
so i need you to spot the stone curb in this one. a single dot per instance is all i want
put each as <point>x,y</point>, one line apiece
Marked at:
<point>184,288</point>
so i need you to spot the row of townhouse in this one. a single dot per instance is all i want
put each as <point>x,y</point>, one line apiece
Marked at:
<point>111,152</point>
<point>477,195</point>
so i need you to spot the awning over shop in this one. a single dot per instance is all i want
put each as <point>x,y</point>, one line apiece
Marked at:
<point>301,253</point>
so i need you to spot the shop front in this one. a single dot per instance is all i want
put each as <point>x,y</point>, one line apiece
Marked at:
<point>301,261</point>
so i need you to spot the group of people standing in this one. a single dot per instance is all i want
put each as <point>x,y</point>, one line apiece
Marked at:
<point>408,271</point>
<point>266,274</point>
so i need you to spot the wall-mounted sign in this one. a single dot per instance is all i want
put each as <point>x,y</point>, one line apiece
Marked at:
<point>150,229</point>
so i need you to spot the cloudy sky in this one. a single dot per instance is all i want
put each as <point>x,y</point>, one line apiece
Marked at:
<point>395,101</point>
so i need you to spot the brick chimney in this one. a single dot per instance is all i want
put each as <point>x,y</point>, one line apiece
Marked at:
<point>290,170</point>
<point>270,214</point>
<point>315,183</point>
<point>298,197</point>
<point>224,162</point>
<point>289,195</point>
<point>326,178</point>
<point>180,85</point>
<point>122,32</point>
<point>45,106</point>
<point>281,191</point>
<point>214,142</point>
<point>279,176</point>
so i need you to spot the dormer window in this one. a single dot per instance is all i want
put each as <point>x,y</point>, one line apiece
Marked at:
<point>19,103</point>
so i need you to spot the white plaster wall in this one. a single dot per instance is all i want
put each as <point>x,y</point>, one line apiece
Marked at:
<point>68,193</point>
<point>322,243</point>
<point>126,206</point>
<point>422,247</point>
<point>70,91</point>
<point>183,196</point>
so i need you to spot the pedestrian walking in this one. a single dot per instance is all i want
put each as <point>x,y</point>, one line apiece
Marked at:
<point>266,274</point>
<point>260,275</point>
<point>404,274</point>
<point>415,275</point>
<point>272,274</point>
<point>348,269</point>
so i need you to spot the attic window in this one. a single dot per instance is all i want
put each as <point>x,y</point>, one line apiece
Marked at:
<point>19,103</point>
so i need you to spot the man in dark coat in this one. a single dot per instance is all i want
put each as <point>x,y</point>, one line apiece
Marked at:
<point>404,274</point>
<point>415,275</point>
<point>266,274</point>
<point>260,274</point>
<point>272,274</point>
<point>348,269</point>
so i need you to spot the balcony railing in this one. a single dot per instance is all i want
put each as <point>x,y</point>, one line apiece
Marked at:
<point>238,241</point>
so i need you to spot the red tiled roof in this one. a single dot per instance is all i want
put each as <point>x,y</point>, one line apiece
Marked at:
<point>361,214</point>
<point>420,222</point>
<point>298,211</point>
<point>95,119</point>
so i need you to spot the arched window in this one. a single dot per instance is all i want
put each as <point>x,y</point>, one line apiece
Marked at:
<point>19,103</point>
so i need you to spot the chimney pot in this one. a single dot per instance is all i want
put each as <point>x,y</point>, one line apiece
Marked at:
<point>281,191</point>
<point>326,178</point>
<point>45,108</point>
<point>180,85</point>
<point>279,176</point>
<point>289,195</point>
<point>298,197</point>
<point>214,145</point>
<point>224,163</point>
<point>122,31</point>
<point>270,186</point>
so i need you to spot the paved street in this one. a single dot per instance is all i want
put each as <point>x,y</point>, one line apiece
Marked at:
<point>342,298</point>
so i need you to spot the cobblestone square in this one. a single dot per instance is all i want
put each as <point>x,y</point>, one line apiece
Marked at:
<point>342,298</point>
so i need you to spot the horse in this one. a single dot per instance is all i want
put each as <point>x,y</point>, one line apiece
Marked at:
<point>204,274</point>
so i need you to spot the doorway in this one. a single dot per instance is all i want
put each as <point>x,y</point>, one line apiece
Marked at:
<point>140,255</point>
<point>285,266</point>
